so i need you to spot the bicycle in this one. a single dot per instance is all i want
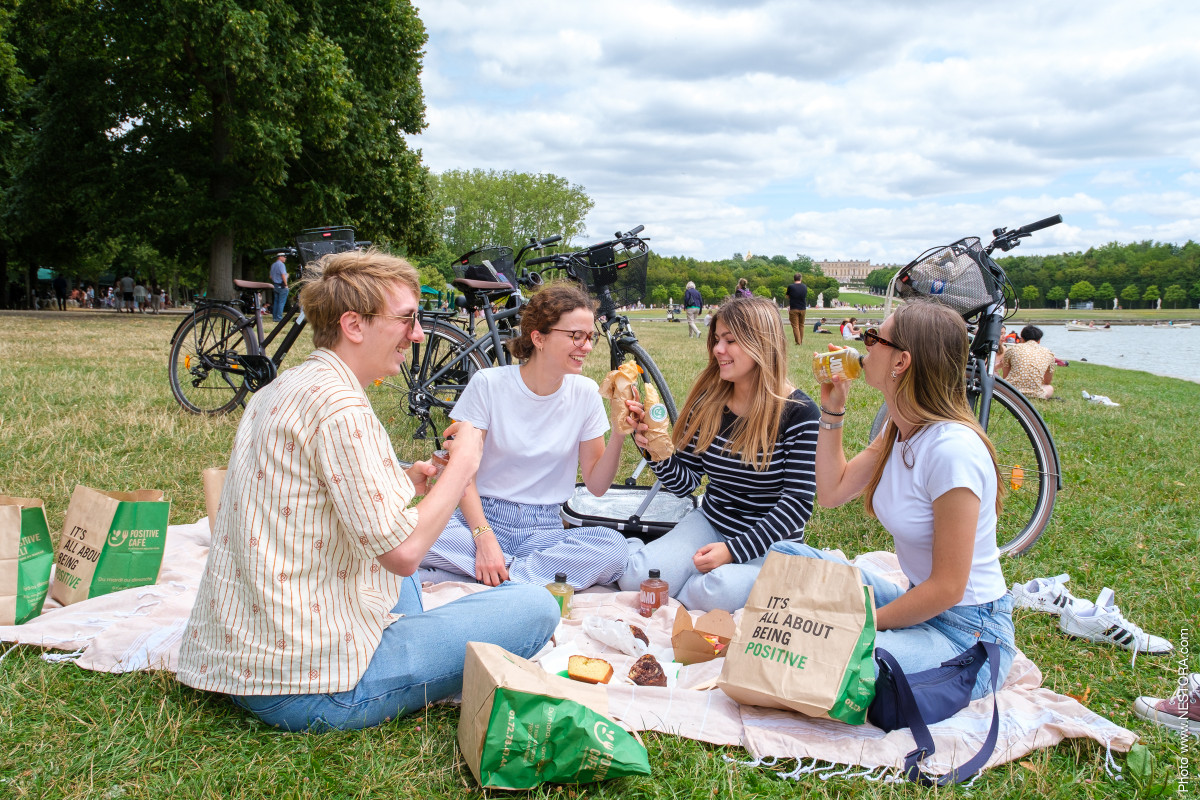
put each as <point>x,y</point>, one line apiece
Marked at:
<point>456,347</point>
<point>963,276</point>
<point>219,351</point>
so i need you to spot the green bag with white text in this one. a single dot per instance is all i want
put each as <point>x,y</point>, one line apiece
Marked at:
<point>26,555</point>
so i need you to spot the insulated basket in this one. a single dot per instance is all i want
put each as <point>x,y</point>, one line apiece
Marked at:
<point>961,275</point>
<point>471,266</point>
<point>313,243</point>
<point>620,267</point>
<point>641,511</point>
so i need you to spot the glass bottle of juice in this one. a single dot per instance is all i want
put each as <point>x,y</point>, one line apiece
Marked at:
<point>846,361</point>
<point>563,592</point>
<point>653,594</point>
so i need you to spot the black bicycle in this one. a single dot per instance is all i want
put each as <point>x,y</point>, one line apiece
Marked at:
<point>472,337</point>
<point>219,351</point>
<point>964,276</point>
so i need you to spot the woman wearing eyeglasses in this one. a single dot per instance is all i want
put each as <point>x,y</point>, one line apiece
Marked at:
<point>931,479</point>
<point>543,422</point>
<point>754,436</point>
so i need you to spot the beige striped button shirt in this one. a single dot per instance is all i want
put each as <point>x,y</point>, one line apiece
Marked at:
<point>292,600</point>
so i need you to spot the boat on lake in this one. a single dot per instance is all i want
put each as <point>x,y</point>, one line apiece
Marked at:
<point>1076,326</point>
<point>1172,325</point>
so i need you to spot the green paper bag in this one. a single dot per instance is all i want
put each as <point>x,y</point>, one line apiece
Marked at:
<point>110,541</point>
<point>520,726</point>
<point>26,555</point>
<point>806,641</point>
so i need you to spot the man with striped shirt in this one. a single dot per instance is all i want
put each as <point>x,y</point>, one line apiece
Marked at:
<point>308,614</point>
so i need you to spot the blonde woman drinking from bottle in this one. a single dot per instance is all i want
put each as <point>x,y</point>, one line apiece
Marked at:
<point>754,435</point>
<point>931,479</point>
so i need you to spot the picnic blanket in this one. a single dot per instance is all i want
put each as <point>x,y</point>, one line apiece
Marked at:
<point>141,629</point>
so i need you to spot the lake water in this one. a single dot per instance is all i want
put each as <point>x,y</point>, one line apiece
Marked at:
<point>1171,352</point>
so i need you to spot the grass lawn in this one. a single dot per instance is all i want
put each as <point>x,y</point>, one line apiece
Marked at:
<point>84,399</point>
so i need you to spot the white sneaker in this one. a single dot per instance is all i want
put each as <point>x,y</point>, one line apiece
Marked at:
<point>1100,399</point>
<point>1044,594</point>
<point>1103,622</point>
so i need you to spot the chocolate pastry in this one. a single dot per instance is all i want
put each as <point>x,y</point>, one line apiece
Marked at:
<point>646,671</point>
<point>638,633</point>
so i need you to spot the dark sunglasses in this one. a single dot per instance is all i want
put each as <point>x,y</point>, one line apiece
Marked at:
<point>871,336</point>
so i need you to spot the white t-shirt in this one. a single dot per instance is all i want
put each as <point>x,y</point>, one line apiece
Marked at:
<point>945,456</point>
<point>531,454</point>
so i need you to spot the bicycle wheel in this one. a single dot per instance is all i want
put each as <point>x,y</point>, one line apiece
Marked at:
<point>413,407</point>
<point>1028,467</point>
<point>203,367</point>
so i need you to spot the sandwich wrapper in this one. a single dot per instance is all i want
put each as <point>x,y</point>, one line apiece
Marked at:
<point>622,384</point>
<point>688,638</point>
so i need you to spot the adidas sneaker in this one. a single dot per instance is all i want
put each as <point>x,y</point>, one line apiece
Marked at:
<point>1103,622</point>
<point>1044,594</point>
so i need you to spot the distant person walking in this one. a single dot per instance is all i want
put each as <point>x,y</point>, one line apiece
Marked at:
<point>692,302</point>
<point>60,292</point>
<point>139,298</point>
<point>155,299</point>
<point>127,284</point>
<point>279,277</point>
<point>797,295</point>
<point>743,289</point>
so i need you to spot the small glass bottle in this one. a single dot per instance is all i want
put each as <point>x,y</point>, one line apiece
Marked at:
<point>653,594</point>
<point>846,361</point>
<point>563,592</point>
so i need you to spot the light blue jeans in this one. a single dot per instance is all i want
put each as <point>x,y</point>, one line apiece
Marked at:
<point>420,658</point>
<point>927,645</point>
<point>725,587</point>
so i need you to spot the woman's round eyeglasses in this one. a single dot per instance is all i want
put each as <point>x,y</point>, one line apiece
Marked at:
<point>578,337</point>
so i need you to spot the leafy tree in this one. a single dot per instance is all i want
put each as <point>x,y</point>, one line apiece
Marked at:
<point>880,278</point>
<point>1196,291</point>
<point>1056,294</point>
<point>710,293</point>
<point>1174,295</point>
<point>1083,291</point>
<point>1105,294</point>
<point>1030,295</point>
<point>1151,294</point>
<point>1131,294</point>
<point>658,295</point>
<point>209,130</point>
<point>507,208</point>
<point>762,291</point>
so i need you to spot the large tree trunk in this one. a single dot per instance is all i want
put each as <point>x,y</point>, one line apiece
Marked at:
<point>220,264</point>
<point>220,259</point>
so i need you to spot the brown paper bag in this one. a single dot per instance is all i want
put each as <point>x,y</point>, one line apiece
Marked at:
<point>805,641</point>
<point>618,386</point>
<point>213,480</point>
<point>110,541</point>
<point>658,435</point>
<point>520,726</point>
<point>26,555</point>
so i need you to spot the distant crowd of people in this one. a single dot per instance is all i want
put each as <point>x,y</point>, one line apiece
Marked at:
<point>128,295</point>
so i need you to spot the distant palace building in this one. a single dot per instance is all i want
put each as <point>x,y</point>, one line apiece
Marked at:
<point>845,272</point>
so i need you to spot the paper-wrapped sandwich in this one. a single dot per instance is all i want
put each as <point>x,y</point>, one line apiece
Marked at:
<point>621,385</point>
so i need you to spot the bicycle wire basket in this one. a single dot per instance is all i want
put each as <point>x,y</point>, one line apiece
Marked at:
<point>619,266</point>
<point>961,275</point>
<point>471,266</point>
<point>313,243</point>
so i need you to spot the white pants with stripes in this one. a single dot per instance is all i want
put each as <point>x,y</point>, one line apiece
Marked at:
<point>535,546</point>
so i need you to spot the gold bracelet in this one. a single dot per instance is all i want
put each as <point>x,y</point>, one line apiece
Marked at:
<point>480,531</point>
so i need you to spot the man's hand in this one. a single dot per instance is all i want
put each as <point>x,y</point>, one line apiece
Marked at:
<point>489,560</point>
<point>464,442</point>
<point>711,556</point>
<point>420,473</point>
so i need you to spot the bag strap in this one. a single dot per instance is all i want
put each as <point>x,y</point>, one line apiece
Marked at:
<point>920,731</point>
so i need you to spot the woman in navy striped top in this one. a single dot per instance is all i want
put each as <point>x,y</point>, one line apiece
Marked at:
<point>755,436</point>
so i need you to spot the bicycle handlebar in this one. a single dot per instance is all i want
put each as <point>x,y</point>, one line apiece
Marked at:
<point>1039,225</point>
<point>529,262</point>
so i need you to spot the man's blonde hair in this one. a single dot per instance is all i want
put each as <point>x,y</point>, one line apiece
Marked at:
<point>358,280</point>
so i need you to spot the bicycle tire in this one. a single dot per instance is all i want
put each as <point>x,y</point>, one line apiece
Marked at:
<point>1021,439</point>
<point>201,365</point>
<point>649,371</point>
<point>415,411</point>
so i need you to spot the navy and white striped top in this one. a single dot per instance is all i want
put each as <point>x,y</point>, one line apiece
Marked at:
<point>753,510</point>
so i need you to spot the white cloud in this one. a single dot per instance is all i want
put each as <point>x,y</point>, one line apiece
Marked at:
<point>851,129</point>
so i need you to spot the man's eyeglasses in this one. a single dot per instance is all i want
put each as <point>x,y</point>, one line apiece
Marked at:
<point>871,336</point>
<point>578,338</point>
<point>408,319</point>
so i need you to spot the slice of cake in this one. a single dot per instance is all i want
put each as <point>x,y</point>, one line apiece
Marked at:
<point>639,633</point>
<point>589,670</point>
<point>646,671</point>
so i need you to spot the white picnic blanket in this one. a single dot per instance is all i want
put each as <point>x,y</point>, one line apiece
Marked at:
<point>141,629</point>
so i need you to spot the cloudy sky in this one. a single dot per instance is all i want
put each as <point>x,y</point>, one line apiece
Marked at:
<point>849,129</point>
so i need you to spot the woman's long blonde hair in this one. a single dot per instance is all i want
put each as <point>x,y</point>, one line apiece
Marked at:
<point>933,388</point>
<point>755,324</point>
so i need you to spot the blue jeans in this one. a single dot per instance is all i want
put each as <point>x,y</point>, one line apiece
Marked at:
<point>420,659</point>
<point>927,645</point>
<point>281,296</point>
<point>725,587</point>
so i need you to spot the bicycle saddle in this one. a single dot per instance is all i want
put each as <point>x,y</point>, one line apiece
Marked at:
<point>241,284</point>
<point>481,286</point>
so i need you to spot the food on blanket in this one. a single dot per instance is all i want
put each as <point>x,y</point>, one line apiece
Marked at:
<point>716,643</point>
<point>618,386</point>
<point>617,634</point>
<point>653,593</point>
<point>638,633</point>
<point>646,671</point>
<point>658,437</point>
<point>589,670</point>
